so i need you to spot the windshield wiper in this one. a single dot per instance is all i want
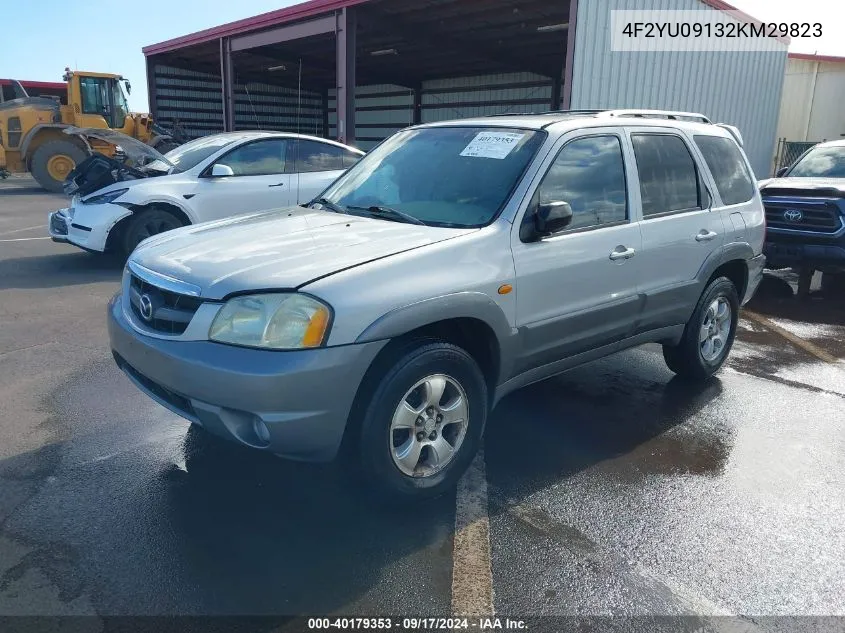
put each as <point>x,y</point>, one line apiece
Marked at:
<point>331,206</point>
<point>382,210</point>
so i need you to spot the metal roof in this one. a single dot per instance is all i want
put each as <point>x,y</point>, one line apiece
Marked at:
<point>271,18</point>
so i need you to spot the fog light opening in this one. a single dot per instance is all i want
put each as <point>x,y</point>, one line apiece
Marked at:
<point>261,430</point>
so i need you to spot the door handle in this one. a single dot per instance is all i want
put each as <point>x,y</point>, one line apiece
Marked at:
<point>278,184</point>
<point>622,252</point>
<point>705,236</point>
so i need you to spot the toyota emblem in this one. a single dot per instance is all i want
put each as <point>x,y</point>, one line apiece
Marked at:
<point>146,307</point>
<point>793,215</point>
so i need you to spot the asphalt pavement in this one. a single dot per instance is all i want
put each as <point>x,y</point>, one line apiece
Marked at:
<point>613,490</point>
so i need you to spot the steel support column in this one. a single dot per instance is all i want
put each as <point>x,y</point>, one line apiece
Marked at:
<point>557,82</point>
<point>345,38</point>
<point>325,114</point>
<point>152,97</point>
<point>227,84</point>
<point>568,65</point>
<point>417,104</point>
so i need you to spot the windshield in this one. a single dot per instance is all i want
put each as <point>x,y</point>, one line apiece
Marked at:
<point>821,162</point>
<point>445,176</point>
<point>191,154</point>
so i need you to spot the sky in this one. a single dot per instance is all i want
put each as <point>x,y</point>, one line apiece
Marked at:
<point>107,36</point>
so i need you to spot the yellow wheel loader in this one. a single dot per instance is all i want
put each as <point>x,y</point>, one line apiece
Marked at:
<point>31,128</point>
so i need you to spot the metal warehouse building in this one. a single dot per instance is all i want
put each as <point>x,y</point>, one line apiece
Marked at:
<point>358,70</point>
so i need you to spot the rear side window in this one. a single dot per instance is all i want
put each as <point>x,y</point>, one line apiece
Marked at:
<point>313,156</point>
<point>668,176</point>
<point>589,174</point>
<point>726,164</point>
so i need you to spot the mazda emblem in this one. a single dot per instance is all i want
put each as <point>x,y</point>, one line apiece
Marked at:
<point>793,215</point>
<point>146,307</point>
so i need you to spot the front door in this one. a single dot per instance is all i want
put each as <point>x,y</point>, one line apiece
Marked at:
<point>680,227</point>
<point>259,182</point>
<point>577,290</point>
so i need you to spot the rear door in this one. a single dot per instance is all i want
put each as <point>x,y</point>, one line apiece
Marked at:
<point>259,181</point>
<point>316,165</point>
<point>680,227</point>
<point>577,290</point>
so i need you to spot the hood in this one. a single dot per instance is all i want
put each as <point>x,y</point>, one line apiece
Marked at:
<point>132,147</point>
<point>794,186</point>
<point>280,249</point>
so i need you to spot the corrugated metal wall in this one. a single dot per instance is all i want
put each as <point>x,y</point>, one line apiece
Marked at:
<point>382,110</point>
<point>811,105</point>
<point>194,99</point>
<point>741,88</point>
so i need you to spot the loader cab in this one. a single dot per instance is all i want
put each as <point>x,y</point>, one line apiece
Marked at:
<point>99,101</point>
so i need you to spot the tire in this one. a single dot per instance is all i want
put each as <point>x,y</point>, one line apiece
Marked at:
<point>145,224</point>
<point>692,358</point>
<point>53,161</point>
<point>379,443</point>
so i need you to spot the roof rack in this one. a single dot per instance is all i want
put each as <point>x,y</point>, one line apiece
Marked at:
<point>658,114</point>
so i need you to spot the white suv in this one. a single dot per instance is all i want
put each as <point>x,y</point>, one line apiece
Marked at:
<point>456,262</point>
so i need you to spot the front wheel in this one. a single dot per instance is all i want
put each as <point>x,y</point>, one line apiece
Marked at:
<point>708,335</point>
<point>145,224</point>
<point>424,422</point>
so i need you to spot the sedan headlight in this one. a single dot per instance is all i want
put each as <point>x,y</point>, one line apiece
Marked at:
<point>105,198</point>
<point>272,321</point>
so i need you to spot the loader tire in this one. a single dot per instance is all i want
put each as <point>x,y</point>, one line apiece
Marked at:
<point>53,161</point>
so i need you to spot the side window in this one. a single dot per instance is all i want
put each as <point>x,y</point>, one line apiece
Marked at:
<point>724,159</point>
<point>94,95</point>
<point>315,156</point>
<point>668,176</point>
<point>589,174</point>
<point>257,159</point>
<point>350,158</point>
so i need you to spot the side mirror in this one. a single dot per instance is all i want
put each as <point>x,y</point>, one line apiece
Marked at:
<point>219,171</point>
<point>551,217</point>
<point>128,88</point>
<point>780,172</point>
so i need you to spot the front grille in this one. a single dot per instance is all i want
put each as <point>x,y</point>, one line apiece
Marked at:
<point>168,312</point>
<point>818,218</point>
<point>178,402</point>
<point>58,224</point>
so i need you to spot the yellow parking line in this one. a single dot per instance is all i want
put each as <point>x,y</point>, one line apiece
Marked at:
<point>807,346</point>
<point>472,573</point>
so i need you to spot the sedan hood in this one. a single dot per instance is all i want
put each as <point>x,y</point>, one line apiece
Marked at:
<point>813,186</point>
<point>280,249</point>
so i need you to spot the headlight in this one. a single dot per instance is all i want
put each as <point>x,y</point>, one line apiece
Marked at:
<point>104,198</point>
<point>273,321</point>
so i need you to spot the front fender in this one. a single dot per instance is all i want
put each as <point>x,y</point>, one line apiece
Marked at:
<point>473,305</point>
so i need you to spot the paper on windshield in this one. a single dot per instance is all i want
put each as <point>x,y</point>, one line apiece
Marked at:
<point>492,144</point>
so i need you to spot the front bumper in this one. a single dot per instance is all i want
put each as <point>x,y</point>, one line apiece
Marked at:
<point>294,403</point>
<point>784,253</point>
<point>85,226</point>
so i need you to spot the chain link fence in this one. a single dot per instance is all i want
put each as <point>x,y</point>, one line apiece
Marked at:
<point>789,151</point>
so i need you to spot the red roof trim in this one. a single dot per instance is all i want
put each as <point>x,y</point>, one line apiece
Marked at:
<point>742,15</point>
<point>264,20</point>
<point>43,85</point>
<point>817,58</point>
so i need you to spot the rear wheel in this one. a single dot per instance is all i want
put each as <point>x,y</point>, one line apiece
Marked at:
<point>53,161</point>
<point>424,421</point>
<point>145,224</point>
<point>709,334</point>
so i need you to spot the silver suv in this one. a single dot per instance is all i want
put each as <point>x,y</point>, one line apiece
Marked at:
<point>456,262</point>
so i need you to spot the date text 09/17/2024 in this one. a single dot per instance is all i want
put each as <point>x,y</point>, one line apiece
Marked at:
<point>416,624</point>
